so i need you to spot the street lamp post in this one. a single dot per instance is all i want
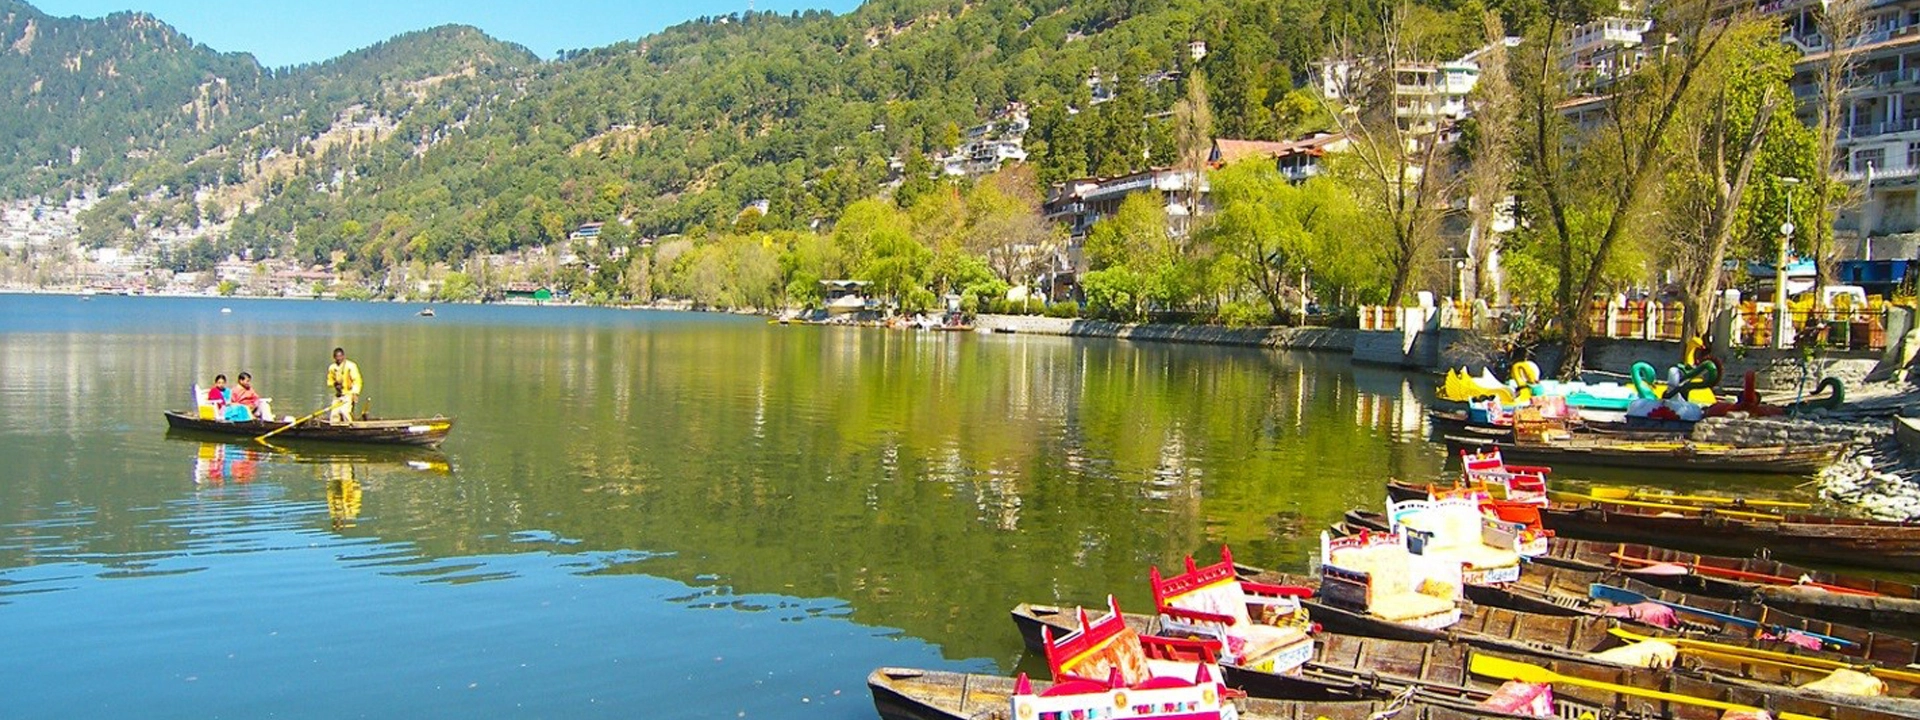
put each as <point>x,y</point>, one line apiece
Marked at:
<point>1781,326</point>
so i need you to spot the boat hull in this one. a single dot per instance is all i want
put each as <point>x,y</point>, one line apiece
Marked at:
<point>1802,460</point>
<point>423,432</point>
<point>1856,599</point>
<point>1830,540</point>
<point>912,694</point>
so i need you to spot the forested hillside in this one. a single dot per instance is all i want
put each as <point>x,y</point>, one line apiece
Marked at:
<point>445,143</point>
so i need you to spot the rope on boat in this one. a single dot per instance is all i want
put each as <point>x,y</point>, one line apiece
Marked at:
<point>1397,704</point>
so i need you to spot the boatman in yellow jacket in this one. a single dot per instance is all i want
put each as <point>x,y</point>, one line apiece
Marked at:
<point>344,378</point>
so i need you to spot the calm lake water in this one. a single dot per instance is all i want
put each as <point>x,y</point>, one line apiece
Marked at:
<point>639,514</point>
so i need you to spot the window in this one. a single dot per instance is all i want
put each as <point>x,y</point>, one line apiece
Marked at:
<point>1913,155</point>
<point>1874,157</point>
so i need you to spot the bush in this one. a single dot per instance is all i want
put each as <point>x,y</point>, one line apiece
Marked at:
<point>920,299</point>
<point>1113,294</point>
<point>985,291</point>
<point>354,291</point>
<point>1245,314</point>
<point>1063,309</point>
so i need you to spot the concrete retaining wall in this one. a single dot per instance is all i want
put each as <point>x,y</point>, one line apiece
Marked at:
<point>1286,338</point>
<point>1424,345</point>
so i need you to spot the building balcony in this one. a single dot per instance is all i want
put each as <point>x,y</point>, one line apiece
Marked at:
<point>1817,43</point>
<point>1901,172</point>
<point>1864,130</point>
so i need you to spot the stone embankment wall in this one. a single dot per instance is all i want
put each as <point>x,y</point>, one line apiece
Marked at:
<point>1788,431</point>
<point>1420,343</point>
<point>1285,338</point>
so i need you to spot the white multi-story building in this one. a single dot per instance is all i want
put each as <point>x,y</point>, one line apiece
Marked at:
<point>1606,48</point>
<point>1880,132</point>
<point>1427,97</point>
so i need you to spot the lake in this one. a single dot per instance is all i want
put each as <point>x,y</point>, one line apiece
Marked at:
<point>639,514</point>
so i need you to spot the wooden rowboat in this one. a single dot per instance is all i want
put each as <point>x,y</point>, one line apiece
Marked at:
<point>1590,593</point>
<point>1345,664</point>
<point>913,694</point>
<point>1673,455</point>
<point>1818,593</point>
<point>1556,589</point>
<point>1486,627</point>
<point>1877,544</point>
<point>1456,422</point>
<point>428,432</point>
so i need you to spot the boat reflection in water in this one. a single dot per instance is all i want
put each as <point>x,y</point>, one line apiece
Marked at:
<point>345,470</point>
<point>343,495</point>
<point>220,463</point>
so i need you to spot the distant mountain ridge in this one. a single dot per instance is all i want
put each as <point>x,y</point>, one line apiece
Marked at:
<point>94,102</point>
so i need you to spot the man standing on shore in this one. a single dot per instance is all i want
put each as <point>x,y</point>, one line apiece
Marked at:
<point>344,377</point>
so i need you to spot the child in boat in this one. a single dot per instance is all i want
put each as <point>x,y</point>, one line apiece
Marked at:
<point>243,404</point>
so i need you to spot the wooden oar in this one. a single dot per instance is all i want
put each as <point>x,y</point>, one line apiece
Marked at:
<point>1768,657</point>
<point>289,426</point>
<point>1609,593</point>
<point>1504,669</point>
<point>1732,574</point>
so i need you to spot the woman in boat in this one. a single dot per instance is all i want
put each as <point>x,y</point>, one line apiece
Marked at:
<point>243,404</point>
<point>218,395</point>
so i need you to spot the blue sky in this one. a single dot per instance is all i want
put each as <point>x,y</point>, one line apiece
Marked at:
<point>290,32</point>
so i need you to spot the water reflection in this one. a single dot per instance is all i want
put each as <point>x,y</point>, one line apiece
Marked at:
<point>338,467</point>
<point>918,481</point>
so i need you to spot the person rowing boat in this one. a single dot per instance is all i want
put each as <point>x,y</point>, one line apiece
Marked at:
<point>344,377</point>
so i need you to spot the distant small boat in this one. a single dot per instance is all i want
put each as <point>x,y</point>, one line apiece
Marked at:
<point>225,311</point>
<point>426,312</point>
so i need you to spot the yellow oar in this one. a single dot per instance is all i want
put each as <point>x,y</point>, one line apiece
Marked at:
<point>1614,493</point>
<point>1504,669</point>
<point>1737,514</point>
<point>1769,657</point>
<point>289,426</point>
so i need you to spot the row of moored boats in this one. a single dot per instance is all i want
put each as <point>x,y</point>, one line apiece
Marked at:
<point>1491,599</point>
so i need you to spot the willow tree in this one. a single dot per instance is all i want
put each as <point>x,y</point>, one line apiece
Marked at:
<point>1717,145</point>
<point>1594,173</point>
<point>1396,165</point>
<point>1268,232</point>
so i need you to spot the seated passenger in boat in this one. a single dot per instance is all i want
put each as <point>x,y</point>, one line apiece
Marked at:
<point>219,395</point>
<point>1374,573</point>
<point>243,404</point>
<point>1259,626</point>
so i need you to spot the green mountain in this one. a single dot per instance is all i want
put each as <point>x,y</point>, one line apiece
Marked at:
<point>88,99</point>
<point>444,143</point>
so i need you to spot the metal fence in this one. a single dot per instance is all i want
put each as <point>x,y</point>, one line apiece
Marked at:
<point>1750,324</point>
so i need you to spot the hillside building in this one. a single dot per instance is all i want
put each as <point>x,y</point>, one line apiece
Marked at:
<point>986,147</point>
<point>1428,97</point>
